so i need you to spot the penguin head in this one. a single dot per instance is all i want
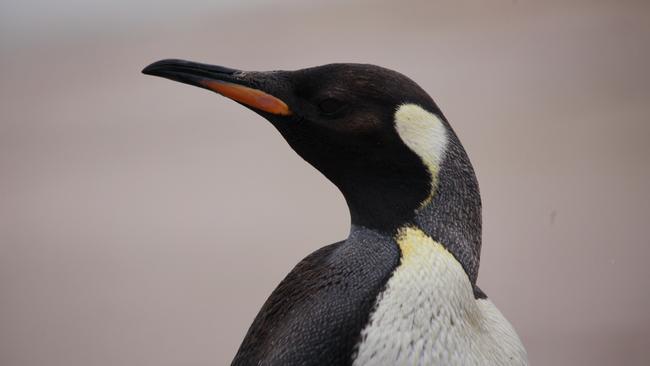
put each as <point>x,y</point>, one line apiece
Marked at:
<point>373,132</point>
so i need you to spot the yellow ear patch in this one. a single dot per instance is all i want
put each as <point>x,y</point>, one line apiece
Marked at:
<point>425,134</point>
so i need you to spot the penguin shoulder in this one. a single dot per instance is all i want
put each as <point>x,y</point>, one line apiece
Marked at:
<point>315,315</point>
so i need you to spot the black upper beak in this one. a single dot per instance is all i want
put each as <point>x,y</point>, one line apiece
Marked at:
<point>188,72</point>
<point>228,82</point>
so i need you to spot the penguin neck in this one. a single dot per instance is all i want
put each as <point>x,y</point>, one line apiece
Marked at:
<point>452,217</point>
<point>449,213</point>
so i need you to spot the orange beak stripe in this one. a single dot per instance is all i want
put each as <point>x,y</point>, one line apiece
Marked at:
<point>251,97</point>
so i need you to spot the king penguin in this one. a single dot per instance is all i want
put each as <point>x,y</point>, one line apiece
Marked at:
<point>401,289</point>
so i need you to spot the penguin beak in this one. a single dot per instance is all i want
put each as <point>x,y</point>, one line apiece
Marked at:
<point>234,84</point>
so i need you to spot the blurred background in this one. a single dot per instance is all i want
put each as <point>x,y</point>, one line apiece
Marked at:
<point>144,222</point>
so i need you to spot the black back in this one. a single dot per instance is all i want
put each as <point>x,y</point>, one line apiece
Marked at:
<point>316,314</point>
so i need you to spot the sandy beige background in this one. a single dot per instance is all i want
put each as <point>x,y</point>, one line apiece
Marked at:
<point>144,222</point>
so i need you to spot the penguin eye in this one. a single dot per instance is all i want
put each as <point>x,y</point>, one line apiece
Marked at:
<point>330,106</point>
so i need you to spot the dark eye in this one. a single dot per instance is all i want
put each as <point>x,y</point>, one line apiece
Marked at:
<point>330,106</point>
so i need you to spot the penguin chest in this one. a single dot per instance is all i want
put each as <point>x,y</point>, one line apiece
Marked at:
<point>427,315</point>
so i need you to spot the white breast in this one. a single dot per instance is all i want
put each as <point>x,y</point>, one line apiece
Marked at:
<point>428,315</point>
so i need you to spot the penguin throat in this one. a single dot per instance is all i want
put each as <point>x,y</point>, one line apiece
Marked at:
<point>384,200</point>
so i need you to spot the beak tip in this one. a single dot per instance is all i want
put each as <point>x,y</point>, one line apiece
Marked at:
<point>153,67</point>
<point>159,66</point>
